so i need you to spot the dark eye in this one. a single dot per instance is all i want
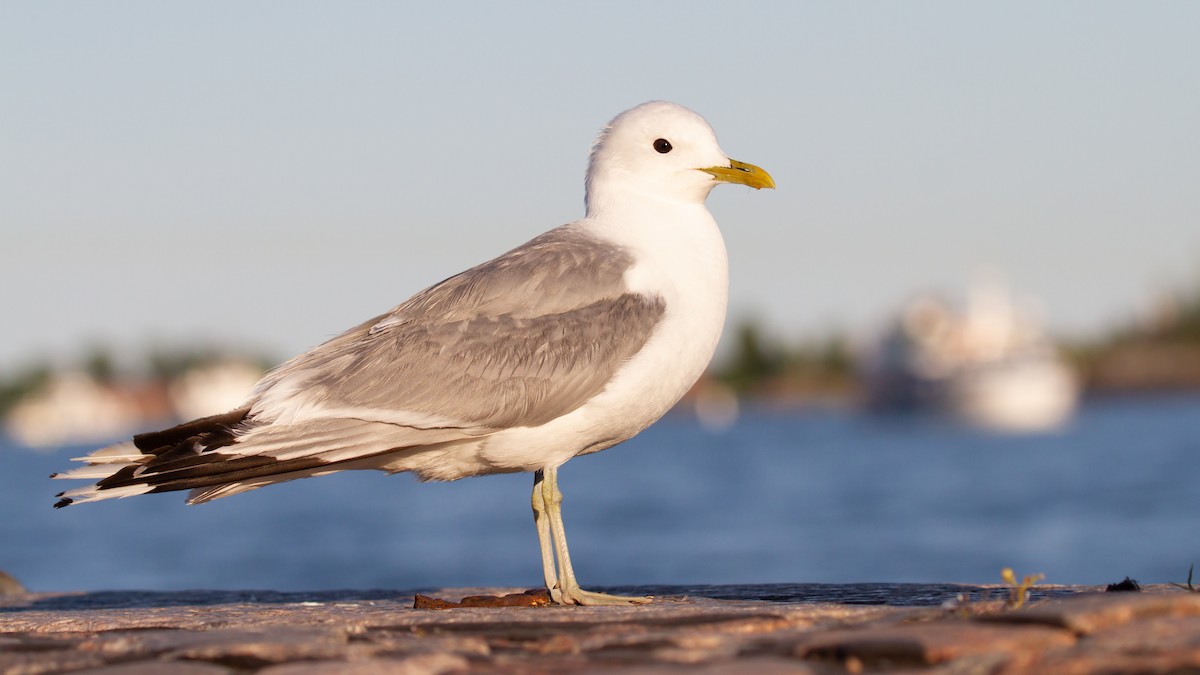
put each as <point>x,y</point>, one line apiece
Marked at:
<point>662,145</point>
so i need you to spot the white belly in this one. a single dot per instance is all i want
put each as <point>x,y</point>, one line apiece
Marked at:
<point>693,279</point>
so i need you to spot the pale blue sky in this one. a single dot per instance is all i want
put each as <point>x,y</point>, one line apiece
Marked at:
<point>270,174</point>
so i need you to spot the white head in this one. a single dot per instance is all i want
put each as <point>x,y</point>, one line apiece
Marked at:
<point>661,151</point>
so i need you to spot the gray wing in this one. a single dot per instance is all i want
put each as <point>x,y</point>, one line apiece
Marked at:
<point>517,341</point>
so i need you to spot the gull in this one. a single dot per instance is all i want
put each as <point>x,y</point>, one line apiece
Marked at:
<point>564,346</point>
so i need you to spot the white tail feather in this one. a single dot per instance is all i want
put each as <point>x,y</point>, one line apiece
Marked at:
<point>90,472</point>
<point>91,494</point>
<point>122,453</point>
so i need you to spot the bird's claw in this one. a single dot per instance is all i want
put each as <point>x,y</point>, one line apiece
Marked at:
<point>574,595</point>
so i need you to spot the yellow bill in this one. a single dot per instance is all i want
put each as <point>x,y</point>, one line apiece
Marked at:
<point>742,173</point>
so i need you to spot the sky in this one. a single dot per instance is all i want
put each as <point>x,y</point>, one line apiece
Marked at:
<point>268,174</point>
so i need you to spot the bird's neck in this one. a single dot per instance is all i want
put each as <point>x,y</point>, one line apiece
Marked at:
<point>649,223</point>
<point>610,191</point>
<point>631,202</point>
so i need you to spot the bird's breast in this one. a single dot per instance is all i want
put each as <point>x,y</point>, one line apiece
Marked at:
<point>686,267</point>
<point>691,275</point>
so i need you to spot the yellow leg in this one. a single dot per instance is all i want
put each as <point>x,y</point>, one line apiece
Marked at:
<point>568,590</point>
<point>542,521</point>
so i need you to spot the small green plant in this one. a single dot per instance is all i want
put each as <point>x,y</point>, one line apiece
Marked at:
<point>1018,592</point>
<point>1189,586</point>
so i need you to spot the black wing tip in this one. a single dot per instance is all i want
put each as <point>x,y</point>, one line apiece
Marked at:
<point>54,475</point>
<point>65,501</point>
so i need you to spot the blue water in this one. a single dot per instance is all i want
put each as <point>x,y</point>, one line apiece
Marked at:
<point>820,496</point>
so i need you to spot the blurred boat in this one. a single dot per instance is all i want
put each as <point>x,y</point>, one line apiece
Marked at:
<point>74,408</point>
<point>990,365</point>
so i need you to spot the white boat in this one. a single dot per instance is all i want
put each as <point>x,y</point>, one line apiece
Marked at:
<point>989,365</point>
<point>1020,392</point>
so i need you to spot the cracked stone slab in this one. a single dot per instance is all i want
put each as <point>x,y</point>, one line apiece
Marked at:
<point>1111,664</point>
<point>756,665</point>
<point>1091,612</point>
<point>1164,644</point>
<point>242,650</point>
<point>424,664</point>
<point>930,643</point>
<point>154,642</point>
<point>159,668</point>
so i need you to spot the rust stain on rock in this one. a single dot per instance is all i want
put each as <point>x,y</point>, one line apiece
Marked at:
<point>537,597</point>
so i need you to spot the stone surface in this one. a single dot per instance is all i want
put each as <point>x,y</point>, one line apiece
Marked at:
<point>784,629</point>
<point>158,668</point>
<point>423,664</point>
<point>1091,612</point>
<point>1163,644</point>
<point>930,643</point>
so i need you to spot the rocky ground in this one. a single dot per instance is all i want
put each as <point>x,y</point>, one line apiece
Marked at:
<point>719,629</point>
